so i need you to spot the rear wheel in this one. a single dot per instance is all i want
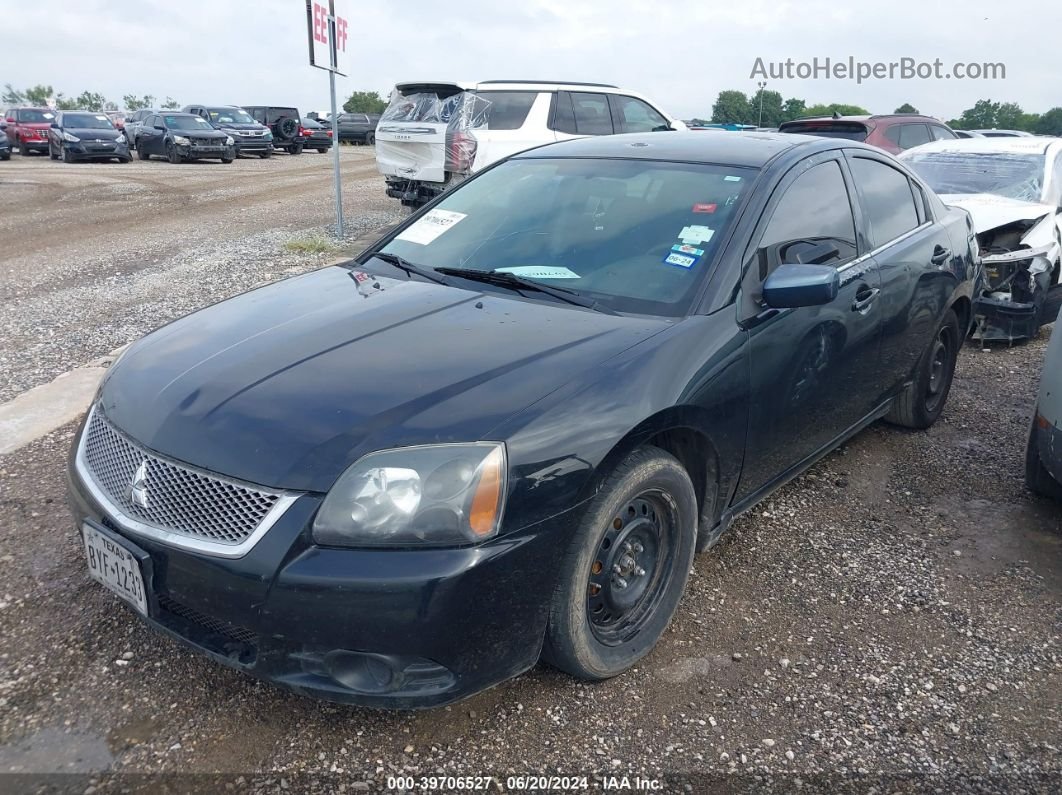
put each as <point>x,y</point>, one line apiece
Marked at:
<point>295,149</point>
<point>322,150</point>
<point>626,568</point>
<point>370,139</point>
<point>923,401</point>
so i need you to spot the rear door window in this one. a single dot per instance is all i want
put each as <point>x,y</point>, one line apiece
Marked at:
<point>592,115</point>
<point>632,115</point>
<point>564,113</point>
<point>888,198</point>
<point>507,110</point>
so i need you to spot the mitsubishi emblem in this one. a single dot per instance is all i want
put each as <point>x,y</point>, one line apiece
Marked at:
<point>138,489</point>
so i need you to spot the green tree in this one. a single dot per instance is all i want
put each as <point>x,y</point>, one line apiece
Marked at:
<point>38,95</point>
<point>772,108</point>
<point>983,115</point>
<point>793,109</point>
<point>1049,123</point>
<point>66,103</point>
<point>837,107</point>
<point>906,107</point>
<point>171,104</point>
<point>12,96</point>
<point>133,102</point>
<point>89,100</point>
<point>732,107</point>
<point>1010,116</point>
<point>365,102</point>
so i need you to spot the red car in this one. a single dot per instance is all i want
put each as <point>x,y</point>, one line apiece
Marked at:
<point>894,132</point>
<point>28,128</point>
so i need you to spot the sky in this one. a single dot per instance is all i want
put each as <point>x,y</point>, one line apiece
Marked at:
<point>680,53</point>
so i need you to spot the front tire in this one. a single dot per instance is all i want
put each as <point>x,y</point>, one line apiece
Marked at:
<point>66,155</point>
<point>142,153</point>
<point>921,404</point>
<point>173,155</point>
<point>1037,478</point>
<point>370,139</point>
<point>626,568</point>
<point>52,153</point>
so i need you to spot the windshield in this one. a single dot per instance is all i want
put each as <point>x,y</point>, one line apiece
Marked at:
<point>635,235</point>
<point>187,123</point>
<point>35,116</point>
<point>1016,176</point>
<point>230,116</point>
<point>851,131</point>
<point>87,121</point>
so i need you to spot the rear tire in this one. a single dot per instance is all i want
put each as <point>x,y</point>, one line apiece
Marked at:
<point>295,149</point>
<point>922,402</point>
<point>1037,478</point>
<point>625,569</point>
<point>370,139</point>
<point>322,151</point>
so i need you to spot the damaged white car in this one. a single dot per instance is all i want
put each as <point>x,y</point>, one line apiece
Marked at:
<point>1012,188</point>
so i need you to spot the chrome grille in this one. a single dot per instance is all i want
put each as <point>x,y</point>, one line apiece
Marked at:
<point>172,497</point>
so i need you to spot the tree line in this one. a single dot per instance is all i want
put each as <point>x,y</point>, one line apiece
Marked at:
<point>768,109</point>
<point>41,95</point>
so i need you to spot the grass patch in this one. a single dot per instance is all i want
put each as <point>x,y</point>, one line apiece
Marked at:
<point>310,245</point>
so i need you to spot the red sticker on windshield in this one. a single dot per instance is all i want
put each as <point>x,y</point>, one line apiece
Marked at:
<point>705,208</point>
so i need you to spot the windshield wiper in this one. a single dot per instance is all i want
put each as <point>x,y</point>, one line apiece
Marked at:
<point>411,267</point>
<point>514,282</point>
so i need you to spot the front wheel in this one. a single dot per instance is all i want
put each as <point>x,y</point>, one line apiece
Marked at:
<point>226,160</point>
<point>141,152</point>
<point>173,155</point>
<point>370,139</point>
<point>1037,478</point>
<point>23,150</point>
<point>922,402</point>
<point>125,159</point>
<point>68,157</point>
<point>52,153</point>
<point>266,153</point>
<point>626,568</point>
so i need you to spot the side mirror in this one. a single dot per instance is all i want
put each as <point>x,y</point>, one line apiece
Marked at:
<point>160,127</point>
<point>10,119</point>
<point>54,126</point>
<point>794,285</point>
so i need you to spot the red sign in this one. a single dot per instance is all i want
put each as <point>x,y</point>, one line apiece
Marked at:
<point>317,14</point>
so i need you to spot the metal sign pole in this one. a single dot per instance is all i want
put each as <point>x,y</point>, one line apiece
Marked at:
<point>334,62</point>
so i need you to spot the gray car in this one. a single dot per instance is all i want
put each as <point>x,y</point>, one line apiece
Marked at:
<point>1043,457</point>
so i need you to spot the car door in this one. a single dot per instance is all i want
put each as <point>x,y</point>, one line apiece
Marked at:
<point>152,134</point>
<point>912,253</point>
<point>812,369</point>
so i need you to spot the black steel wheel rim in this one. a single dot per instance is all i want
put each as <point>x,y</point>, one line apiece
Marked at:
<point>632,567</point>
<point>940,356</point>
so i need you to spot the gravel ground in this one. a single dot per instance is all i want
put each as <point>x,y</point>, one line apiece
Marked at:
<point>94,255</point>
<point>889,621</point>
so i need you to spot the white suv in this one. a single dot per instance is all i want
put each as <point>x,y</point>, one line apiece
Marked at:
<point>434,135</point>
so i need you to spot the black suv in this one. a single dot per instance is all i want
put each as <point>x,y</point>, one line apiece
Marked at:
<point>251,137</point>
<point>283,122</point>
<point>358,127</point>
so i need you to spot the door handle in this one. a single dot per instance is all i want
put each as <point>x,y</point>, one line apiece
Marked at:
<point>940,255</point>
<point>864,298</point>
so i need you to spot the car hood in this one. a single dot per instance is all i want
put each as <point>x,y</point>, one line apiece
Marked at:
<point>211,133</point>
<point>288,385</point>
<point>990,211</point>
<point>92,134</point>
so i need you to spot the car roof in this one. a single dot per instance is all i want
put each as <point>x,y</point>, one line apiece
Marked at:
<point>1016,145</point>
<point>176,113</point>
<point>749,149</point>
<point>501,85</point>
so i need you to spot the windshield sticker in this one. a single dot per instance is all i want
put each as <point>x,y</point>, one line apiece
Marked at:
<point>693,251</point>
<point>732,179</point>
<point>541,272</point>
<point>48,115</point>
<point>101,117</point>
<point>692,235</point>
<point>430,226</point>
<point>705,208</point>
<point>681,260</point>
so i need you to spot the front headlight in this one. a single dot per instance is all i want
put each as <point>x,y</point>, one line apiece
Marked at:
<point>229,141</point>
<point>441,495</point>
<point>180,140</point>
<point>73,139</point>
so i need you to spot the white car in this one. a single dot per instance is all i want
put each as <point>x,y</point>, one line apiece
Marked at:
<point>1012,188</point>
<point>436,134</point>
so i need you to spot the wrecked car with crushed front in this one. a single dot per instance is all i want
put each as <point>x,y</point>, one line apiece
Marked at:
<point>1012,188</point>
<point>502,432</point>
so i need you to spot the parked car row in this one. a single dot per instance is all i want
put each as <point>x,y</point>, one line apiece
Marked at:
<point>221,132</point>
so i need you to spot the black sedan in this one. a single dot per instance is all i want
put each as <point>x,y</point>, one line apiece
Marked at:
<point>503,431</point>
<point>316,135</point>
<point>183,136</point>
<point>83,135</point>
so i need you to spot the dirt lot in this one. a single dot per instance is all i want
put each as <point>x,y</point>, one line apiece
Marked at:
<point>890,620</point>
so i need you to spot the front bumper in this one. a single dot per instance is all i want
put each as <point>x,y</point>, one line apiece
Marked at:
<point>1000,320</point>
<point>252,144</point>
<point>382,628</point>
<point>207,153</point>
<point>92,151</point>
<point>33,145</point>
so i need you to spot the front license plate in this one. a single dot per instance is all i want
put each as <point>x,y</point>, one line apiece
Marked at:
<point>115,567</point>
